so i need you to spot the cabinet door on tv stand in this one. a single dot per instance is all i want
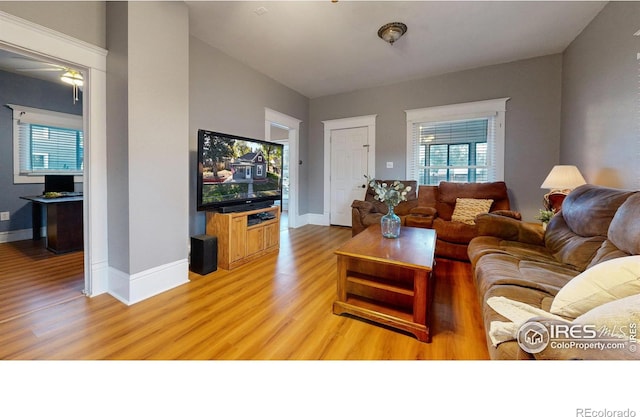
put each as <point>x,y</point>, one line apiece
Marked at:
<point>271,235</point>
<point>238,241</point>
<point>255,240</point>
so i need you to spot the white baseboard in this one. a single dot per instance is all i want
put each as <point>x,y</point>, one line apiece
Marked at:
<point>99,279</point>
<point>22,234</point>
<point>131,289</point>
<point>317,219</point>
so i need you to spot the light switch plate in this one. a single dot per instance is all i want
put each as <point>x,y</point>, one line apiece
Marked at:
<point>389,164</point>
<point>5,215</point>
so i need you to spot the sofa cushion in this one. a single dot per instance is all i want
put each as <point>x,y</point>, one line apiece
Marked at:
<point>607,281</point>
<point>622,236</point>
<point>455,232</point>
<point>483,245</point>
<point>578,232</point>
<point>589,209</point>
<point>625,226</point>
<point>613,318</point>
<point>450,191</point>
<point>467,209</point>
<point>570,248</point>
<point>606,252</point>
<point>505,269</point>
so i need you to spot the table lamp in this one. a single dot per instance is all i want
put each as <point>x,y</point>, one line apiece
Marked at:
<point>560,181</point>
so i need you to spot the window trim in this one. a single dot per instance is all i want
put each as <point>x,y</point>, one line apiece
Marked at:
<point>471,110</point>
<point>33,115</point>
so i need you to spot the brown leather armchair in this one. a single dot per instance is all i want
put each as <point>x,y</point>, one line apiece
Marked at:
<point>368,212</point>
<point>437,203</point>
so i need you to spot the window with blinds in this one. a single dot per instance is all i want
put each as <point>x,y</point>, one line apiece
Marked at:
<point>457,143</point>
<point>46,142</point>
<point>48,149</point>
<point>452,151</point>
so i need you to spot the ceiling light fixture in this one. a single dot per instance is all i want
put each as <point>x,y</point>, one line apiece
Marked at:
<point>75,79</point>
<point>391,32</point>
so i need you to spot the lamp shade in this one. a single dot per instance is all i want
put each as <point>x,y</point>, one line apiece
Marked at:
<point>563,177</point>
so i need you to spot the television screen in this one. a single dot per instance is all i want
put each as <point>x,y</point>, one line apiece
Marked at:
<point>235,171</point>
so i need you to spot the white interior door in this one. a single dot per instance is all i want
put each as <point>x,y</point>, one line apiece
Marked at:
<point>349,159</point>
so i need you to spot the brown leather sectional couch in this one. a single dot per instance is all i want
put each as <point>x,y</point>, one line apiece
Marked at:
<point>520,262</point>
<point>432,208</point>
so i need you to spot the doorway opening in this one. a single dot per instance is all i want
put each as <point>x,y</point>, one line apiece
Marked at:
<point>47,141</point>
<point>21,36</point>
<point>285,129</point>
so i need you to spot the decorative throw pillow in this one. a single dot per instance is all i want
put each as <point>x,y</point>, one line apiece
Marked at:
<point>467,209</point>
<point>614,318</point>
<point>607,281</point>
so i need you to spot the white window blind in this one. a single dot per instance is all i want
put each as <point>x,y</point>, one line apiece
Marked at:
<point>457,143</point>
<point>46,142</point>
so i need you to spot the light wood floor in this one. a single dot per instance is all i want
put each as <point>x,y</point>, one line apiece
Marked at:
<point>277,308</point>
<point>32,278</point>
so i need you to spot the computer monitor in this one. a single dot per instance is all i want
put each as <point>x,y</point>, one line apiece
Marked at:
<point>58,183</point>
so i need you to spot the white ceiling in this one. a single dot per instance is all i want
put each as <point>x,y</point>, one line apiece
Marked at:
<point>321,48</point>
<point>31,67</point>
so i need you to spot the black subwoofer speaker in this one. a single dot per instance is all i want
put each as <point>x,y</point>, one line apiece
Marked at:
<point>204,254</point>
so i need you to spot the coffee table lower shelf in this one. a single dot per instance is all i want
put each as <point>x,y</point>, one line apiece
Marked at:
<point>382,315</point>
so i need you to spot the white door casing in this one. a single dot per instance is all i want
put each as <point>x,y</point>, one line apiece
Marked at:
<point>22,36</point>
<point>293,126</point>
<point>346,165</point>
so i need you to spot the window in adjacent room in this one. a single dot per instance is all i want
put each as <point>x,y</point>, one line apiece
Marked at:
<point>46,142</point>
<point>456,143</point>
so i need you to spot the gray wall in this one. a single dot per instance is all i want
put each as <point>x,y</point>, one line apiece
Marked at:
<point>158,133</point>
<point>147,137</point>
<point>600,99</point>
<point>532,122</point>
<point>84,20</point>
<point>30,92</point>
<point>118,135</point>
<point>227,96</point>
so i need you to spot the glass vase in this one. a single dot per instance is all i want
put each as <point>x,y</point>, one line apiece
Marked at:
<point>390,224</point>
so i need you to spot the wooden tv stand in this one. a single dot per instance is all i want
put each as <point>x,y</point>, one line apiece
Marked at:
<point>238,241</point>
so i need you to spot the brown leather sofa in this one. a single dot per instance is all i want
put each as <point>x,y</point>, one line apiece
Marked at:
<point>368,212</point>
<point>523,263</point>
<point>437,203</point>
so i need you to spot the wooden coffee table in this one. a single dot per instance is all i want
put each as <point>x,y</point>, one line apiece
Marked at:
<point>388,281</point>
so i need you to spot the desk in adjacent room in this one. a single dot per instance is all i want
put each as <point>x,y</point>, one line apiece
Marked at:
<point>64,221</point>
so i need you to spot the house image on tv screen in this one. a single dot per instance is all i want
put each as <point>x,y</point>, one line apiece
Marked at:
<point>250,166</point>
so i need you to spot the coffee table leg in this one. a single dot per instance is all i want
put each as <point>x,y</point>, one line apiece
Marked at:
<point>420,297</point>
<point>342,278</point>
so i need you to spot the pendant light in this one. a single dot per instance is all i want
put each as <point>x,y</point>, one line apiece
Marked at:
<point>75,79</point>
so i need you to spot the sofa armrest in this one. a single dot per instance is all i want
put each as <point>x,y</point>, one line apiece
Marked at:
<point>508,228</point>
<point>364,206</point>
<point>508,213</point>
<point>421,216</point>
<point>423,211</point>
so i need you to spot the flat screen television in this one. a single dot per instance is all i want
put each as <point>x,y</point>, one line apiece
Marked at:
<point>58,183</point>
<point>237,173</point>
